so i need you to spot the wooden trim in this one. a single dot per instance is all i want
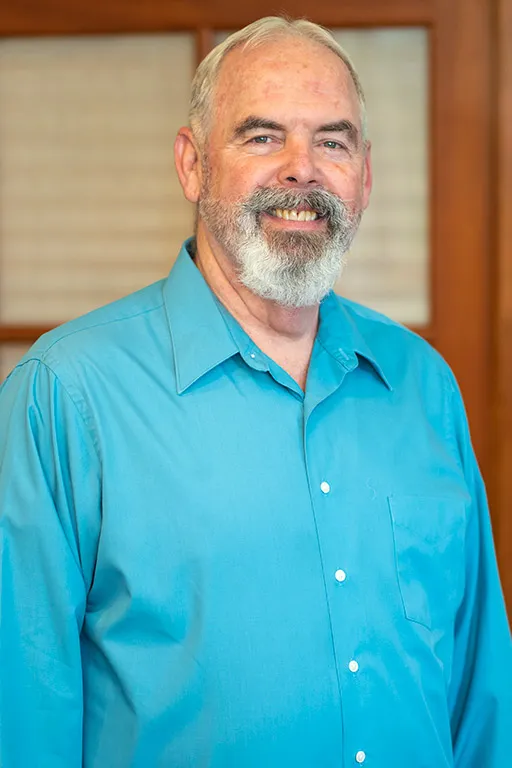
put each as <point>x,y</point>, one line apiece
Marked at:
<point>81,17</point>
<point>428,332</point>
<point>16,334</point>
<point>503,292</point>
<point>432,221</point>
<point>205,41</point>
<point>461,143</point>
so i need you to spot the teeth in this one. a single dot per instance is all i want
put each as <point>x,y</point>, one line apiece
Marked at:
<point>307,215</point>
<point>293,215</point>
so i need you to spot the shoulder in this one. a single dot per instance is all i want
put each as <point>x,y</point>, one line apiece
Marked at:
<point>402,353</point>
<point>99,351</point>
<point>88,360</point>
<point>100,332</point>
<point>422,383</point>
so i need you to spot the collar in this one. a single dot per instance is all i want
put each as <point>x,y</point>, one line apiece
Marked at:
<point>342,339</point>
<point>199,335</point>
<point>204,335</point>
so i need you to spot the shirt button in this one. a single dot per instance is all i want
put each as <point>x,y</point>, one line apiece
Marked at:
<point>340,575</point>
<point>353,665</point>
<point>252,355</point>
<point>325,487</point>
<point>360,756</point>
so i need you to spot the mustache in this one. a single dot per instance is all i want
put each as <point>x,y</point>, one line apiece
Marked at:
<point>326,204</point>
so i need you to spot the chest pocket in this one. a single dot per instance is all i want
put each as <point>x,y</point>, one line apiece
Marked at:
<point>429,548</point>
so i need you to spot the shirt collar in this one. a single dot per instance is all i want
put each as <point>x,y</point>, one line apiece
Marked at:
<point>342,339</point>
<point>202,337</point>
<point>199,335</point>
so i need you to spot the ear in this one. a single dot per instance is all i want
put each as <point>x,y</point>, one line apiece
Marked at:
<point>367,174</point>
<point>188,164</point>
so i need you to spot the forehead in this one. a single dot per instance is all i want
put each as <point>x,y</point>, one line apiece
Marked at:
<point>289,77</point>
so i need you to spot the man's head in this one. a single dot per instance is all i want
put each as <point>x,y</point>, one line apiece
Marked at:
<point>277,157</point>
<point>252,36</point>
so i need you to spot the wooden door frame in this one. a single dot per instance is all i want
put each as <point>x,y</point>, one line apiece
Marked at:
<point>502,292</point>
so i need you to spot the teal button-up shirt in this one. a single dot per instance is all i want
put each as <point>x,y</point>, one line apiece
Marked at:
<point>201,565</point>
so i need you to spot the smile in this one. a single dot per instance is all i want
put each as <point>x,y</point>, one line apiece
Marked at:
<point>294,215</point>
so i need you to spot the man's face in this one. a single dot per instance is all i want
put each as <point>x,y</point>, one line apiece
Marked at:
<point>285,173</point>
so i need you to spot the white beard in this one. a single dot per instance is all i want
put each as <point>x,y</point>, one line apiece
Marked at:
<point>272,274</point>
<point>293,269</point>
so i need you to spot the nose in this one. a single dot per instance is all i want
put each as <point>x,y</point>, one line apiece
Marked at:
<point>298,167</point>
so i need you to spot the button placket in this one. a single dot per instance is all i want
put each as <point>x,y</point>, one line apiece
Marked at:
<point>329,509</point>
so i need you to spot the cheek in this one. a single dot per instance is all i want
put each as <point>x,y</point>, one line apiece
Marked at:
<point>347,183</point>
<point>239,183</point>
<point>249,171</point>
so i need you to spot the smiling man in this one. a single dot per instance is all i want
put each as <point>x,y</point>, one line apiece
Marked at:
<point>241,521</point>
<point>279,166</point>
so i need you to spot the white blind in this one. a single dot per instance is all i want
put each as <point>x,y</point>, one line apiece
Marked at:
<point>388,266</point>
<point>90,206</point>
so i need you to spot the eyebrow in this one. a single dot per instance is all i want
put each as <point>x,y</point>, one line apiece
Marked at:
<point>341,126</point>
<point>253,123</point>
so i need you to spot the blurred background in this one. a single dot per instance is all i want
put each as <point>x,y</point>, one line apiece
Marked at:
<point>91,97</point>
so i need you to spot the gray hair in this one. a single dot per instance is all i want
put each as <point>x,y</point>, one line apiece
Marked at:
<point>261,31</point>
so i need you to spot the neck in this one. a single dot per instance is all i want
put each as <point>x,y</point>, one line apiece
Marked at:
<point>284,334</point>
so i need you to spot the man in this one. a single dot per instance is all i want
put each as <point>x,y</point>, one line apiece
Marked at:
<point>242,523</point>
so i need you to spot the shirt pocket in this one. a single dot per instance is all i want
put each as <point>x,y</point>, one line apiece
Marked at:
<point>429,550</point>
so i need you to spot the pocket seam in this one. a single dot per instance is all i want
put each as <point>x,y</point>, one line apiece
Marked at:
<point>423,618</point>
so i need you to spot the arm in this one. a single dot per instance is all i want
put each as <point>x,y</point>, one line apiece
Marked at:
<point>49,497</point>
<point>481,686</point>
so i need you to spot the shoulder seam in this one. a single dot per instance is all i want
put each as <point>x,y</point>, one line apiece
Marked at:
<point>79,410</point>
<point>94,325</point>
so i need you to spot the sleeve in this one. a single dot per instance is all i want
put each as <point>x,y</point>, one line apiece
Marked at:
<point>49,516</point>
<point>481,686</point>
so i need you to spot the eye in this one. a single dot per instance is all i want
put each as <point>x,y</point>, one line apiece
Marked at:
<point>331,144</point>
<point>260,140</point>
